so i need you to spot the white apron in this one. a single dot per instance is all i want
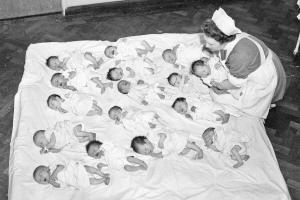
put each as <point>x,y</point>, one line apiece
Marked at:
<point>259,86</point>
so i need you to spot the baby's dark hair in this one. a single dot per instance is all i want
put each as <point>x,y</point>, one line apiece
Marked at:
<point>54,76</point>
<point>170,77</point>
<point>109,77</point>
<point>52,97</point>
<point>48,60</point>
<point>36,170</point>
<point>137,140</point>
<point>195,64</point>
<point>114,108</point>
<point>208,130</point>
<point>36,134</point>
<point>179,99</point>
<point>91,143</point>
<point>119,86</point>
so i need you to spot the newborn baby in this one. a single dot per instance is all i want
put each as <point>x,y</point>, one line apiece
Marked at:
<point>161,144</point>
<point>116,157</point>
<point>77,103</point>
<point>74,174</point>
<point>230,144</point>
<point>62,134</point>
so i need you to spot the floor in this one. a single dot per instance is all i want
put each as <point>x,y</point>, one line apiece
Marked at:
<point>273,21</point>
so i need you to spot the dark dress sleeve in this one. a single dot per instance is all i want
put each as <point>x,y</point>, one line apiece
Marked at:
<point>243,59</point>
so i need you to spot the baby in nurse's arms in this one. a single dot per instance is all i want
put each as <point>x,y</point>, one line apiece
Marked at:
<point>181,55</point>
<point>162,144</point>
<point>72,62</point>
<point>82,81</point>
<point>138,91</point>
<point>123,49</point>
<point>134,119</point>
<point>202,109</point>
<point>63,134</point>
<point>74,174</point>
<point>116,157</point>
<point>232,144</point>
<point>213,73</point>
<point>79,104</point>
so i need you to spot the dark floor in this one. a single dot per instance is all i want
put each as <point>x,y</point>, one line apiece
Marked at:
<point>273,21</point>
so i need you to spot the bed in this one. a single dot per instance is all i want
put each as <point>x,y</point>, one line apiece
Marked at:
<point>173,177</point>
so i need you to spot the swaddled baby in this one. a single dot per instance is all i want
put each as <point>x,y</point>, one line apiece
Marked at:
<point>159,145</point>
<point>63,134</point>
<point>74,174</point>
<point>231,144</point>
<point>115,157</point>
<point>134,119</point>
<point>77,103</point>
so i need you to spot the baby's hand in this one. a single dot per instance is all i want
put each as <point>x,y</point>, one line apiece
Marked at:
<point>144,102</point>
<point>143,165</point>
<point>188,116</point>
<point>151,125</point>
<point>199,155</point>
<point>156,116</point>
<point>117,62</point>
<point>193,108</point>
<point>215,84</point>
<point>151,70</point>
<point>224,117</point>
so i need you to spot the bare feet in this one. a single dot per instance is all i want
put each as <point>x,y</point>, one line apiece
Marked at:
<point>107,180</point>
<point>238,164</point>
<point>245,157</point>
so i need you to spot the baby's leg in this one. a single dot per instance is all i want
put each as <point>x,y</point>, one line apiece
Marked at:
<point>236,156</point>
<point>97,181</point>
<point>97,108</point>
<point>161,96</point>
<point>141,164</point>
<point>185,151</point>
<point>245,157</point>
<point>147,46</point>
<point>93,170</point>
<point>90,57</point>
<point>141,52</point>
<point>81,135</point>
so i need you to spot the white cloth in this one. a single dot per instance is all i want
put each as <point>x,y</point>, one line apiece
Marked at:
<point>75,175</point>
<point>78,103</point>
<point>63,131</point>
<point>187,54</point>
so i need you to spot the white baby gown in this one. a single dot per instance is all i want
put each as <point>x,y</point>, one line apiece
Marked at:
<point>73,175</point>
<point>82,82</point>
<point>64,134</point>
<point>187,54</point>
<point>78,103</point>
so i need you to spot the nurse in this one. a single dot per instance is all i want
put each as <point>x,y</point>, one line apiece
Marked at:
<point>250,63</point>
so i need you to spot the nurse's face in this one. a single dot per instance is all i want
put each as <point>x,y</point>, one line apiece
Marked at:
<point>212,44</point>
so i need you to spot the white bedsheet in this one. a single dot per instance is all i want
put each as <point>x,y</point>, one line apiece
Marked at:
<point>172,177</point>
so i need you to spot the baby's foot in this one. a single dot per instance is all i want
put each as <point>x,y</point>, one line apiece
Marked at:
<point>143,167</point>
<point>106,180</point>
<point>161,96</point>
<point>245,157</point>
<point>151,125</point>
<point>102,89</point>
<point>238,164</point>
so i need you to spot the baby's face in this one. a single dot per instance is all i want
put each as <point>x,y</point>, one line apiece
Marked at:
<point>170,57</point>
<point>202,71</point>
<point>95,151</point>
<point>41,140</point>
<point>209,138</point>
<point>181,107</point>
<point>175,80</point>
<point>55,64</point>
<point>145,149</point>
<point>55,104</point>
<point>59,81</point>
<point>117,74</point>
<point>43,176</point>
<point>125,86</point>
<point>111,51</point>
<point>115,114</point>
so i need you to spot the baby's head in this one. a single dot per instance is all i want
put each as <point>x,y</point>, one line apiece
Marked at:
<point>115,74</point>
<point>110,51</point>
<point>180,105</point>
<point>200,68</point>
<point>53,63</point>
<point>93,149</point>
<point>59,80</point>
<point>174,79</point>
<point>169,56</point>
<point>54,101</point>
<point>141,145</point>
<point>208,136</point>
<point>115,113</point>
<point>40,139</point>
<point>124,86</point>
<point>41,174</point>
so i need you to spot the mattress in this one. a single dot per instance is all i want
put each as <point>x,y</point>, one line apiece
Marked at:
<point>173,177</point>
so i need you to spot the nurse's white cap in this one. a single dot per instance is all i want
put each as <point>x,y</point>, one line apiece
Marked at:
<point>225,23</point>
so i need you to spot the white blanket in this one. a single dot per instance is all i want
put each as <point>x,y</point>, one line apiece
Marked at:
<point>172,177</point>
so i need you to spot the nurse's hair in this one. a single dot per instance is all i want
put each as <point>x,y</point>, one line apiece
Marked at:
<point>210,29</point>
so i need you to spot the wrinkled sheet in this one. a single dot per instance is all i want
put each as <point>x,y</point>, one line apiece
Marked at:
<point>173,177</point>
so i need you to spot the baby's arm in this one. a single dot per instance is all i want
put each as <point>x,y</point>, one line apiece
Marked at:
<point>53,177</point>
<point>83,136</point>
<point>224,85</point>
<point>195,147</point>
<point>52,141</point>
<point>162,139</point>
<point>224,117</point>
<point>156,155</point>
